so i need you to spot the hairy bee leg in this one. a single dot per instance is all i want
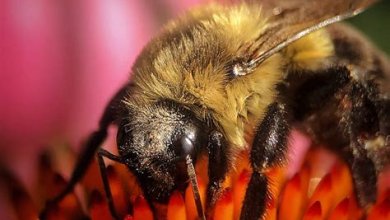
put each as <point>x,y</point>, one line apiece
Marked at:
<point>364,177</point>
<point>360,114</point>
<point>103,172</point>
<point>256,196</point>
<point>357,115</point>
<point>268,150</point>
<point>380,151</point>
<point>93,143</point>
<point>217,169</point>
<point>81,167</point>
<point>362,125</point>
<point>384,109</point>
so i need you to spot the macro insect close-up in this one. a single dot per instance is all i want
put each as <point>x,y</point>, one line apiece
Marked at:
<point>234,78</point>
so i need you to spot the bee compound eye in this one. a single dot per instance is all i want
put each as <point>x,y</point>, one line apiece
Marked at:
<point>184,146</point>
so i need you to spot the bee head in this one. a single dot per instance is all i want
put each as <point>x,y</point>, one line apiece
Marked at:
<point>154,142</point>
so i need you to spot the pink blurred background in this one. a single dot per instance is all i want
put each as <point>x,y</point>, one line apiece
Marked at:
<point>60,62</point>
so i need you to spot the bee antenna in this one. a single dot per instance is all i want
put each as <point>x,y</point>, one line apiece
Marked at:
<point>195,187</point>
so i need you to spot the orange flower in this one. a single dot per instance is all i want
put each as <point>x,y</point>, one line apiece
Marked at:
<point>314,192</point>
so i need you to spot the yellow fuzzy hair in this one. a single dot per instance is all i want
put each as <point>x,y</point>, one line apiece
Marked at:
<point>187,63</point>
<point>310,52</point>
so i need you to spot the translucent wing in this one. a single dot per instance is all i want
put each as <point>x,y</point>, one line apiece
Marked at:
<point>290,20</point>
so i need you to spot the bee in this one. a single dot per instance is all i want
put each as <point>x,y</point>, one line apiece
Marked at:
<point>224,79</point>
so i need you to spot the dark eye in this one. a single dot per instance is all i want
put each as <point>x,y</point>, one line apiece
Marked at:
<point>184,146</point>
<point>188,143</point>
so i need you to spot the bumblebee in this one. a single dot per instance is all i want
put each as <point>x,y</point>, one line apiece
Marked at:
<point>224,79</point>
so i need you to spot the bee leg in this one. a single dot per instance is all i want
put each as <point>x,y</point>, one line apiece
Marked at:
<point>362,123</point>
<point>82,164</point>
<point>103,153</point>
<point>384,109</point>
<point>93,143</point>
<point>364,176</point>
<point>380,150</point>
<point>217,169</point>
<point>268,150</point>
<point>379,147</point>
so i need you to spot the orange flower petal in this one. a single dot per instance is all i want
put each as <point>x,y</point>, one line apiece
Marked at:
<point>384,195</point>
<point>323,194</point>
<point>341,211</point>
<point>98,207</point>
<point>224,206</point>
<point>276,177</point>
<point>69,207</point>
<point>293,199</point>
<point>271,212</point>
<point>176,207</point>
<point>239,190</point>
<point>20,200</point>
<point>343,185</point>
<point>128,217</point>
<point>314,212</point>
<point>380,211</point>
<point>45,178</point>
<point>142,210</point>
<point>118,194</point>
<point>89,181</point>
<point>129,181</point>
<point>304,173</point>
